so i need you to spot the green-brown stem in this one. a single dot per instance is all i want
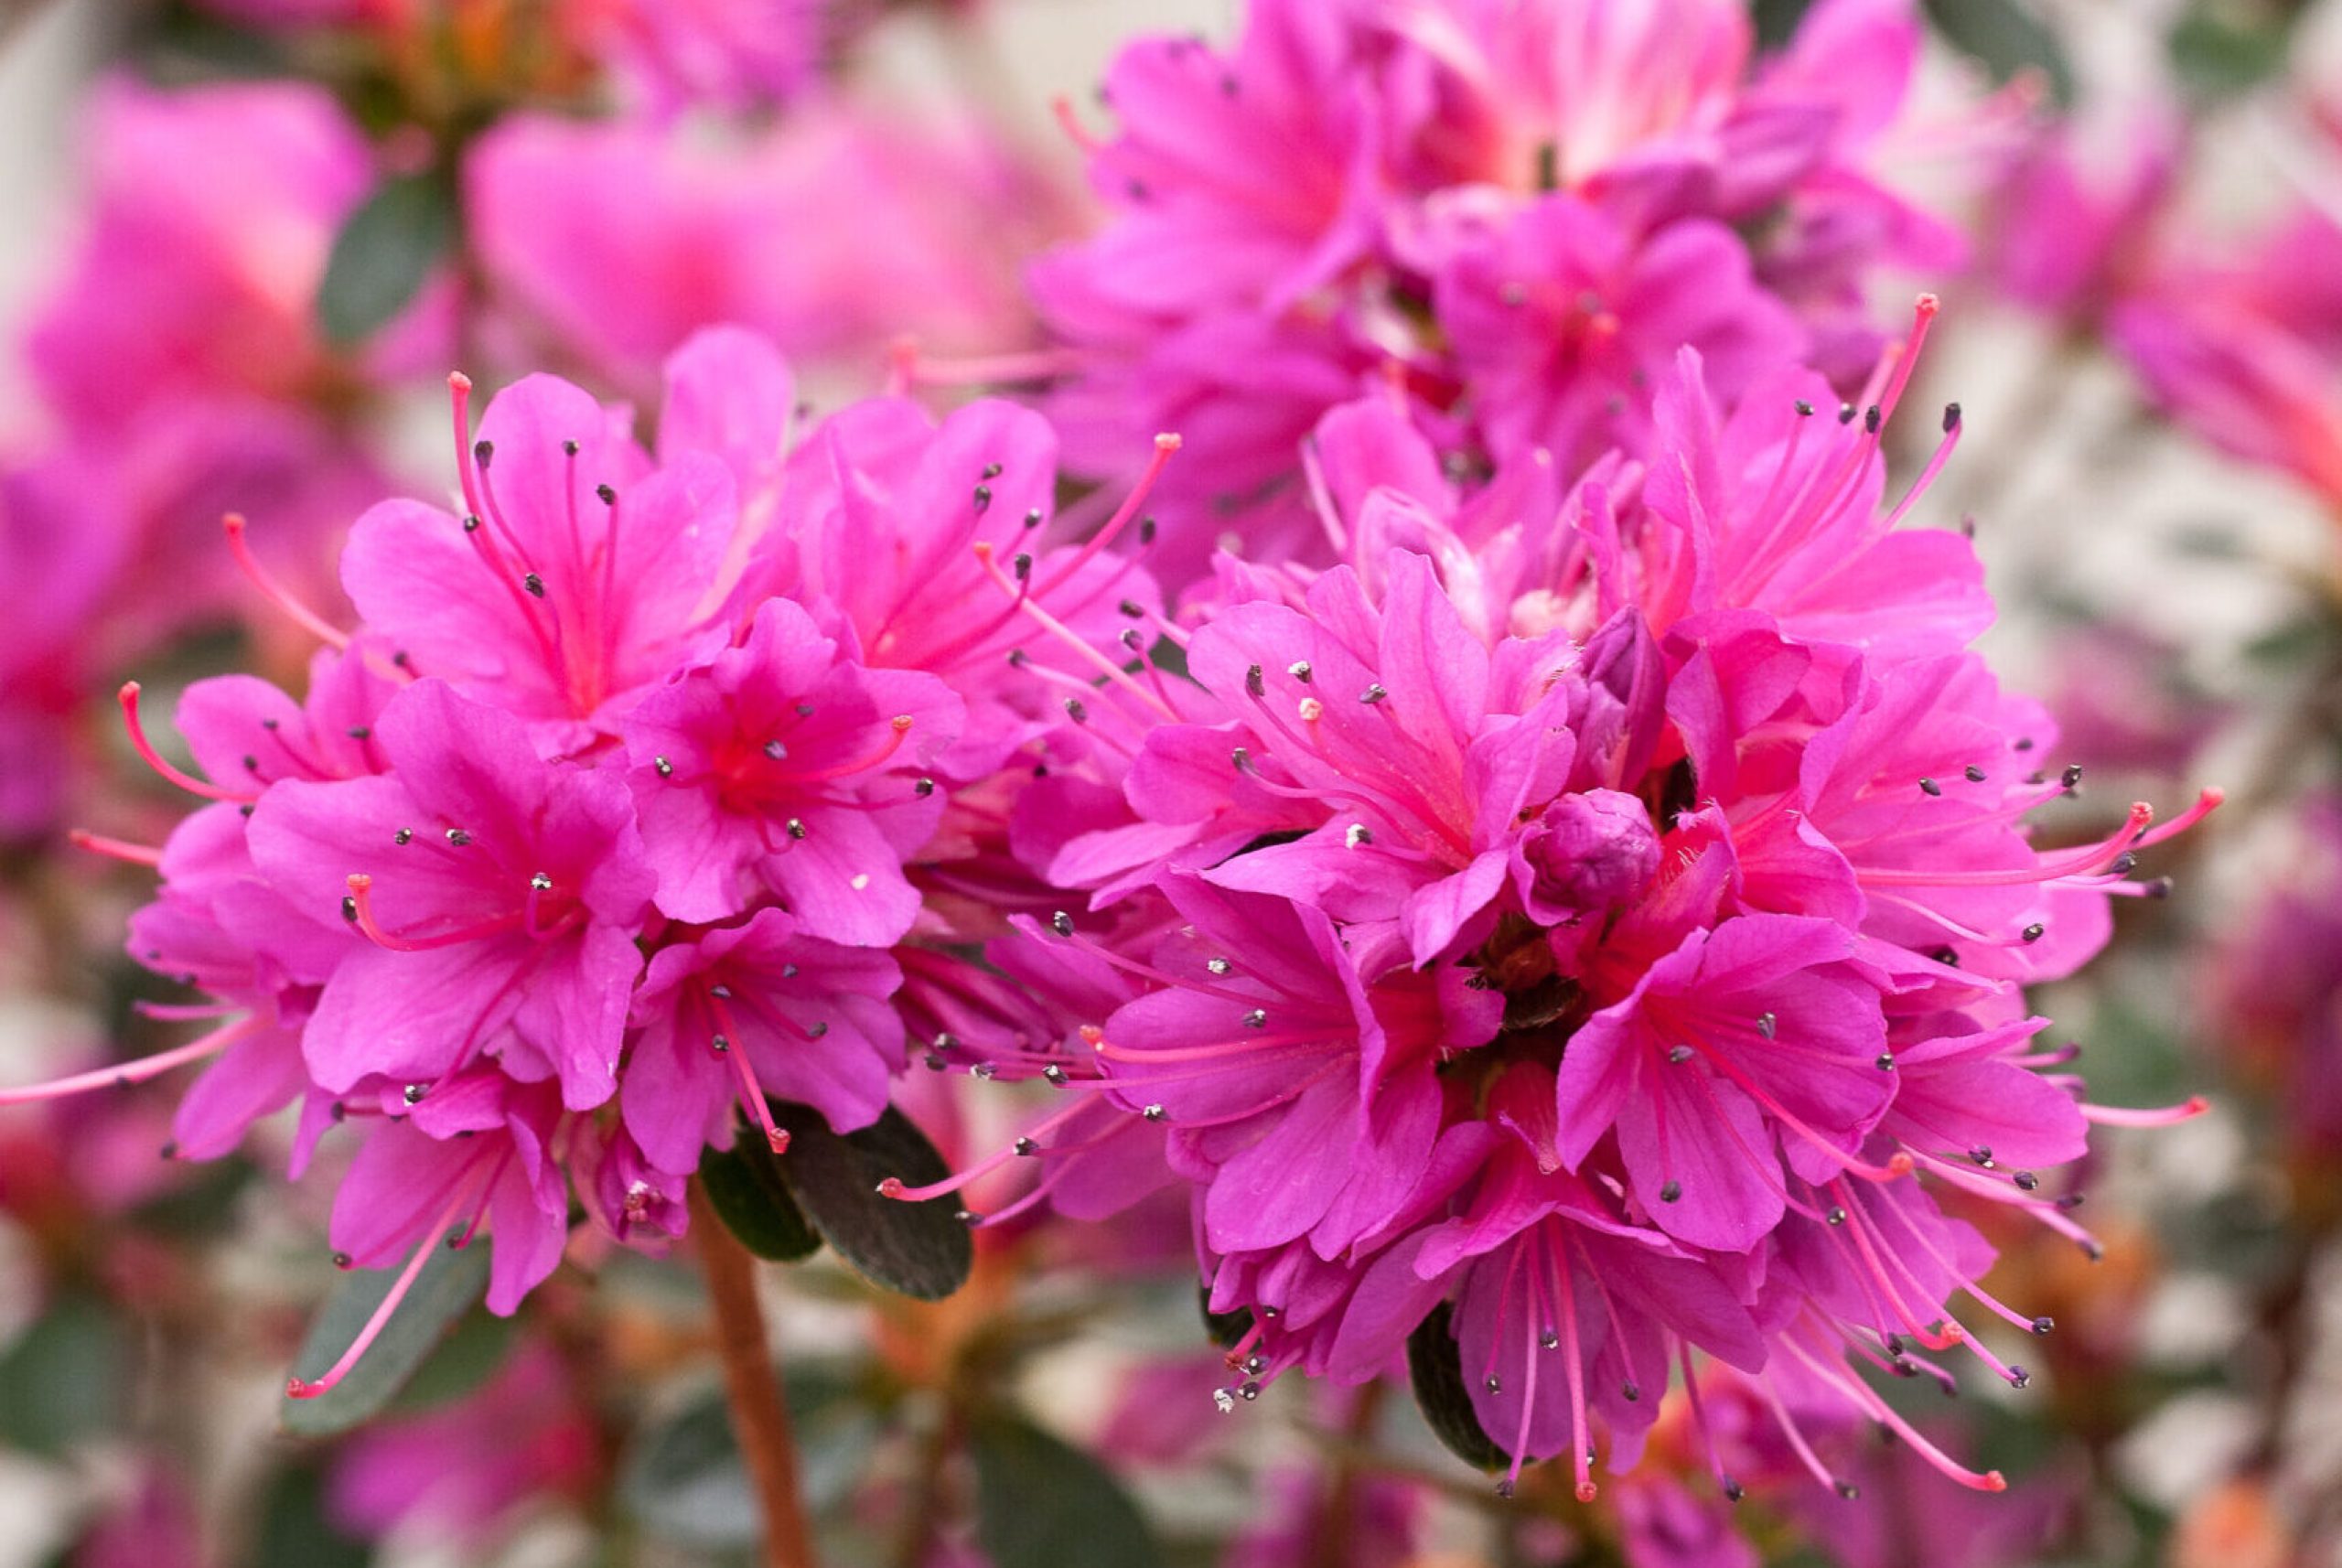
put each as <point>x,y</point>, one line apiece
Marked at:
<point>759,1418</point>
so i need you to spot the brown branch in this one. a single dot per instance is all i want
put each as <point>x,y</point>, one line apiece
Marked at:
<point>759,1418</point>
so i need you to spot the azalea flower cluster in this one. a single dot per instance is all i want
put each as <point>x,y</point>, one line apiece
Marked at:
<point>606,818</point>
<point>1550,891</point>
<point>1518,212</point>
<point>1591,921</point>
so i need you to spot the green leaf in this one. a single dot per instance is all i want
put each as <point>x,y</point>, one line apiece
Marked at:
<point>295,1532</point>
<point>745,1186</point>
<point>921,1249</point>
<point>1226,1329</point>
<point>1043,1504</point>
<point>450,1284</point>
<point>2222,57</point>
<point>382,255</point>
<point>2005,36</point>
<point>63,1380</point>
<point>1435,1367</point>
<point>470,1355</point>
<point>1776,20</point>
<point>683,1479</point>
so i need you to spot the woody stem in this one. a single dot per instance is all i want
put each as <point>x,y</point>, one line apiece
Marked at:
<point>752,1388</point>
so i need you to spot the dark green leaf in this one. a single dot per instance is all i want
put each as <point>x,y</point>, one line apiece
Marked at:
<point>683,1479</point>
<point>1776,20</point>
<point>472,1354</point>
<point>1435,1367</point>
<point>384,252</point>
<point>295,1532</point>
<point>1227,1328</point>
<point>1042,1504</point>
<point>204,1204</point>
<point>745,1186</point>
<point>63,1379</point>
<point>450,1284</point>
<point>2221,57</point>
<point>921,1249</point>
<point>2005,36</point>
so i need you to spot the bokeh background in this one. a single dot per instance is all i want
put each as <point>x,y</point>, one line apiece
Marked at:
<point>2148,346</point>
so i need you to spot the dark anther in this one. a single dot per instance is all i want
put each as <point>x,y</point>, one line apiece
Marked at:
<point>1950,417</point>
<point>982,497</point>
<point>1670,1192</point>
<point>609,496</point>
<point>534,584</point>
<point>2025,1180</point>
<point>1930,786</point>
<point>2034,932</point>
<point>1975,774</point>
<point>1061,923</point>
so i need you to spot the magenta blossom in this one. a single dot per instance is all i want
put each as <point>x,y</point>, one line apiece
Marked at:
<point>623,237</point>
<point>498,895</point>
<point>751,1010</point>
<point>777,763</point>
<point>1643,945</point>
<point>1518,214</point>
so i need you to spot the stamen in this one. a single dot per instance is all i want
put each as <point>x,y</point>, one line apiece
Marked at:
<point>154,759</point>
<point>125,1074</point>
<point>358,909</point>
<point>115,849</point>
<point>277,593</point>
<point>296,1388</point>
<point>1165,445</point>
<point>2194,1105</point>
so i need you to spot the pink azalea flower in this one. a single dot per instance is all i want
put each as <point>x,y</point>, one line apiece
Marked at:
<point>460,1471</point>
<point>1517,212</point>
<point>930,542</point>
<point>212,212</point>
<point>752,1010</point>
<point>577,577</point>
<point>2244,357</point>
<point>2074,219</point>
<point>499,896</point>
<point>478,1151</point>
<point>723,53</point>
<point>2272,984</point>
<point>1656,904</point>
<point>778,764</point>
<point>1556,317</point>
<point>621,238</point>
